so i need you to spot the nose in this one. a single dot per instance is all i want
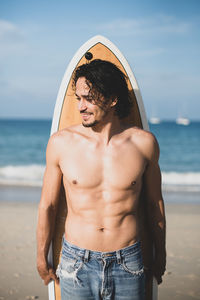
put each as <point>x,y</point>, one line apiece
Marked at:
<point>82,105</point>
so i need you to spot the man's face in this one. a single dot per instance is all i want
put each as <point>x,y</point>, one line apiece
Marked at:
<point>91,113</point>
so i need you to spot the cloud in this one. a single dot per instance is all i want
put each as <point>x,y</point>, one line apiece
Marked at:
<point>12,39</point>
<point>9,32</point>
<point>157,25</point>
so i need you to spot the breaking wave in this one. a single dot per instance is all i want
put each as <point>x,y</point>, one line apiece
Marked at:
<point>32,175</point>
<point>27,175</point>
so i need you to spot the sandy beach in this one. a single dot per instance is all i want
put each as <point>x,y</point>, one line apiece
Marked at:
<point>19,279</point>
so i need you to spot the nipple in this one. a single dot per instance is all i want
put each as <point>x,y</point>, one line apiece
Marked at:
<point>74,181</point>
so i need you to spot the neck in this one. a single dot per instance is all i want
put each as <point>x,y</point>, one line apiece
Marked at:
<point>106,129</point>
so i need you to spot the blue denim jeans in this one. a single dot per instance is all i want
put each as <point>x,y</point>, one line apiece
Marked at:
<point>92,275</point>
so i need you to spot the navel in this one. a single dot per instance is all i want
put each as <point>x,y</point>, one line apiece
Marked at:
<point>133,182</point>
<point>102,229</point>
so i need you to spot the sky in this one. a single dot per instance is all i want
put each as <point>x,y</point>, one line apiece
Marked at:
<point>160,40</point>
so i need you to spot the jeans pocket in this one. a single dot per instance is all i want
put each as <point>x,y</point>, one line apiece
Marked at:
<point>132,265</point>
<point>69,268</point>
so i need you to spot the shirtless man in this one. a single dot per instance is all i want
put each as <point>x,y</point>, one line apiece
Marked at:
<point>104,166</point>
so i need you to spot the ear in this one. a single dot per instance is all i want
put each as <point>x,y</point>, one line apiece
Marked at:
<point>114,102</point>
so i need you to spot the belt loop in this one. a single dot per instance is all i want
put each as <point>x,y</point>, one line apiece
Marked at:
<point>119,258</point>
<point>86,256</point>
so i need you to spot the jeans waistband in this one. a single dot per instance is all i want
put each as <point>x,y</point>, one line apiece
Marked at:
<point>98,254</point>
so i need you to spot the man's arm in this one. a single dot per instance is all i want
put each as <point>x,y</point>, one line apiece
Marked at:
<point>155,208</point>
<point>47,209</point>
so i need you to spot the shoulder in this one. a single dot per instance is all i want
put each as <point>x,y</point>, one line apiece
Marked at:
<point>141,135</point>
<point>146,142</point>
<point>63,135</point>
<point>57,142</point>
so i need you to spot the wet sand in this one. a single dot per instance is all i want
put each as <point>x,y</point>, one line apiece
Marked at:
<point>18,275</point>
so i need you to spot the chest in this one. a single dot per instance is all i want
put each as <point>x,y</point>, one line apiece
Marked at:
<point>89,166</point>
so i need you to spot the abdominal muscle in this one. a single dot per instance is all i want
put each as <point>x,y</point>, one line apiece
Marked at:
<point>98,225</point>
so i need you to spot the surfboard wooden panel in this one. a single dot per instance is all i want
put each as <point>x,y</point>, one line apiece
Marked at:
<point>66,114</point>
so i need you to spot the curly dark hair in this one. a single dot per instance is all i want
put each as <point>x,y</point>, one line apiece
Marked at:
<point>105,79</point>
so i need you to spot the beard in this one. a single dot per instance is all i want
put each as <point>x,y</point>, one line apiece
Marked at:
<point>95,122</point>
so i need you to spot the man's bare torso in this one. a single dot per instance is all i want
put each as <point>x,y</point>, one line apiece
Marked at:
<point>102,185</point>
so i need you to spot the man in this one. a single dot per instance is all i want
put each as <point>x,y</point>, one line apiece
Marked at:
<point>104,166</point>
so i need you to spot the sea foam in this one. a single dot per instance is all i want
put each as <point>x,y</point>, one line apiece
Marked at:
<point>186,181</point>
<point>32,175</point>
<point>24,175</point>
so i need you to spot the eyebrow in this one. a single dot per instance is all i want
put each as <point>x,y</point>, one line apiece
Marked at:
<point>84,96</point>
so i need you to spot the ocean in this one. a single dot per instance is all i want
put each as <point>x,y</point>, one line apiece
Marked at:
<point>23,145</point>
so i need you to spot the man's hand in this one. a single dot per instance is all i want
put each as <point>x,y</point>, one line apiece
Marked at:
<point>47,274</point>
